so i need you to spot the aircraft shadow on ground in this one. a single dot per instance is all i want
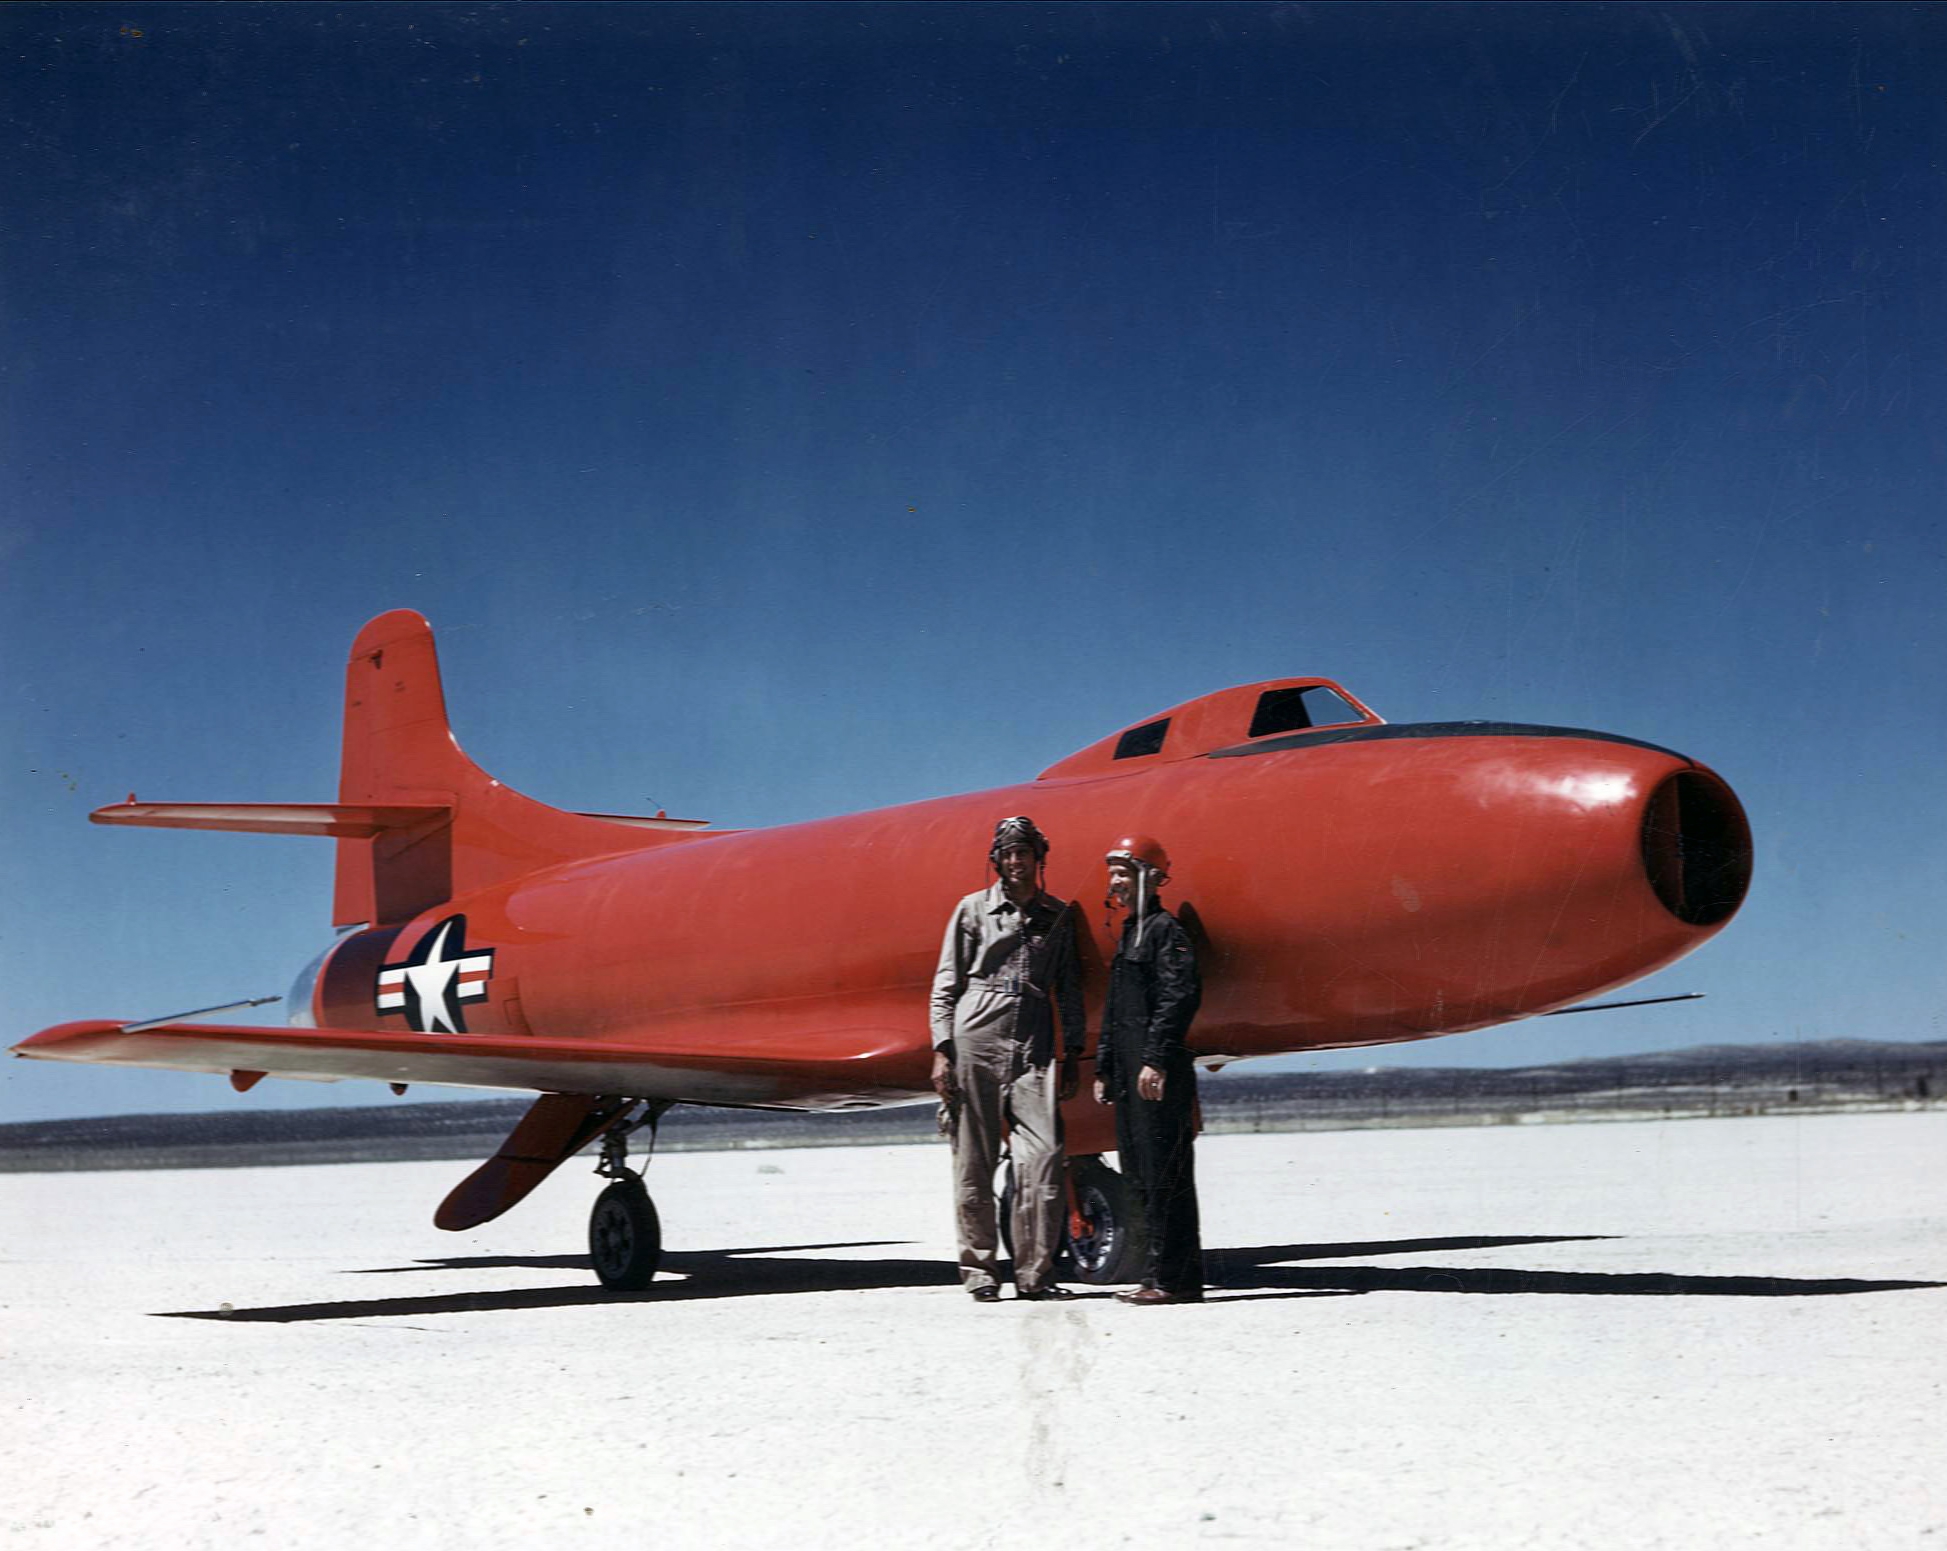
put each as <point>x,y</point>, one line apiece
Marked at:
<point>1264,1272</point>
<point>1237,1274</point>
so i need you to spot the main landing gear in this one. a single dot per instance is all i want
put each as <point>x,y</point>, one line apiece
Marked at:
<point>625,1237</point>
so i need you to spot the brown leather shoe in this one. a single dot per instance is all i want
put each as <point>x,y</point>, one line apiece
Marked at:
<point>988,1294</point>
<point>1148,1295</point>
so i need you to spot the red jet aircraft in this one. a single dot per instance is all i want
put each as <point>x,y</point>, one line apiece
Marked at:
<point>1350,883</point>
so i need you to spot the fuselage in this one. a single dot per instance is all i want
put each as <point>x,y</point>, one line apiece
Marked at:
<point>1346,887</point>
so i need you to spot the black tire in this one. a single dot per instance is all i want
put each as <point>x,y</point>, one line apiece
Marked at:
<point>625,1237</point>
<point>1112,1250</point>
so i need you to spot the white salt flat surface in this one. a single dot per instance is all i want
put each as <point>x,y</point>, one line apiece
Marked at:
<point>1646,1335</point>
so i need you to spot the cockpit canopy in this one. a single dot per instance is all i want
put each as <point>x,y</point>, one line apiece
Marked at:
<point>1222,720</point>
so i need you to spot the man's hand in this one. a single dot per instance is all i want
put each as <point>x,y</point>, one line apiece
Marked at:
<point>943,1082</point>
<point>1071,1079</point>
<point>1149,1083</point>
<point>1101,1091</point>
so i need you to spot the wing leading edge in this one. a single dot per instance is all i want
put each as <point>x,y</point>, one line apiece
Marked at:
<point>869,1070</point>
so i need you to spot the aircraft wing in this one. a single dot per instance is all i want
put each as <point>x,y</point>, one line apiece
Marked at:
<point>866,1067</point>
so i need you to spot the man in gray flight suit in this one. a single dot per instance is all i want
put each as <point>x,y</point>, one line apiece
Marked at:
<point>1007,967</point>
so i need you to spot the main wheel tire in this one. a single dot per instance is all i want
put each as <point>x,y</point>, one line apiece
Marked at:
<point>625,1237</point>
<point>1111,1247</point>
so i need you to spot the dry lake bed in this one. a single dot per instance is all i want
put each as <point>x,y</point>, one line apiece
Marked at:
<point>1654,1334</point>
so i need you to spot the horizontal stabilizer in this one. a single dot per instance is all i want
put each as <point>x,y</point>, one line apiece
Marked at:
<point>335,820</point>
<point>824,1072</point>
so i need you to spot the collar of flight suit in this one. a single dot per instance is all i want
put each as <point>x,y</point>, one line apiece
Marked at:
<point>997,900</point>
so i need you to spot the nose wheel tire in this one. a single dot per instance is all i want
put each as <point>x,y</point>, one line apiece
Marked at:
<point>1110,1246</point>
<point>625,1237</point>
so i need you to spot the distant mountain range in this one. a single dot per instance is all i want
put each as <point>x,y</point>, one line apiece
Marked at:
<point>1707,1080</point>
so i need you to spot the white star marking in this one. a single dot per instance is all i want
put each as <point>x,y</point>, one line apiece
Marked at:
<point>429,983</point>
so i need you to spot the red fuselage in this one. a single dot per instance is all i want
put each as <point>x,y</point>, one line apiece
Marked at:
<point>1347,887</point>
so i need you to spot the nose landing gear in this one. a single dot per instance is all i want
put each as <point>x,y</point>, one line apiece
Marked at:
<point>1104,1240</point>
<point>1105,1234</point>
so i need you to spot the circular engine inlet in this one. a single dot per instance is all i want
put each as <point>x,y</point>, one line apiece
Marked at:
<point>1697,847</point>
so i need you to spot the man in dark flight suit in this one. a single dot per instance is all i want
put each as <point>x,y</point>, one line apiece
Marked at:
<point>1143,1067</point>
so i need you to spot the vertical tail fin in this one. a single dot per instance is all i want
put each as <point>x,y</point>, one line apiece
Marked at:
<point>397,740</point>
<point>398,748</point>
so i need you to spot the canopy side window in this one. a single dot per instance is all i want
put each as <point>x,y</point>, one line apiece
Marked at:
<point>1295,710</point>
<point>1146,739</point>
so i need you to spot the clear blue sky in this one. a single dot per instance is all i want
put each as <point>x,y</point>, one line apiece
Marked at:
<point>783,410</point>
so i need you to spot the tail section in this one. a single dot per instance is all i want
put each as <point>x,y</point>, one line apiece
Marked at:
<point>416,821</point>
<point>399,752</point>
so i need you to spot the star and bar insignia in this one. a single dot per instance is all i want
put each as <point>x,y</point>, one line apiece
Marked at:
<point>433,981</point>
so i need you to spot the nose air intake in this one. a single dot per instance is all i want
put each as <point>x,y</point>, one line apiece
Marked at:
<point>1696,848</point>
